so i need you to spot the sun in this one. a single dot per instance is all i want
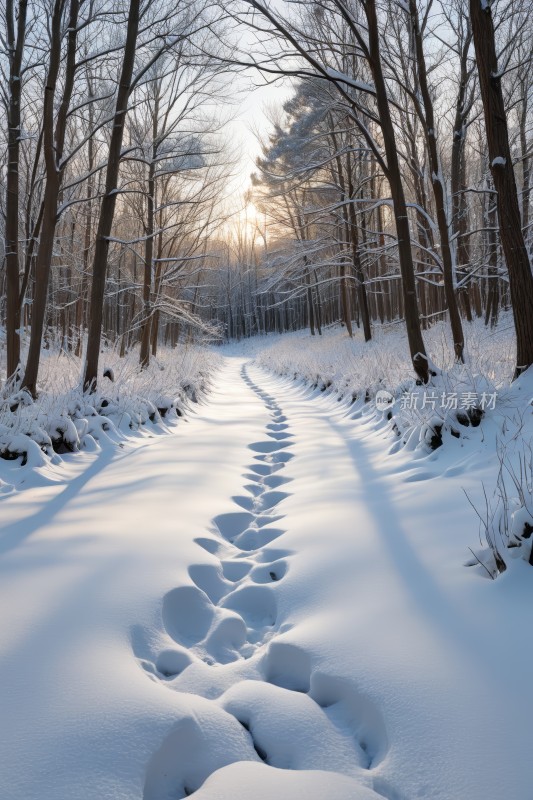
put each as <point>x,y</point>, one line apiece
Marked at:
<point>246,224</point>
<point>250,218</point>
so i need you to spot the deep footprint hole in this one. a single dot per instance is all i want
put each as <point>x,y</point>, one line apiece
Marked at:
<point>171,663</point>
<point>288,666</point>
<point>187,614</point>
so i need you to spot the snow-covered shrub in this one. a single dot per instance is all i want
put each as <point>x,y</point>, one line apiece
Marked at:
<point>506,514</point>
<point>22,446</point>
<point>128,401</point>
<point>454,402</point>
<point>63,434</point>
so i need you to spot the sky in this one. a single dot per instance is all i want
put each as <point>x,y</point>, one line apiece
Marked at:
<point>251,119</point>
<point>253,97</point>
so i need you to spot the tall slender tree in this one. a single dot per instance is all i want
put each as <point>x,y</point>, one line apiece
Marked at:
<point>424,106</point>
<point>15,37</point>
<point>107,206</point>
<point>54,130</point>
<point>501,167</point>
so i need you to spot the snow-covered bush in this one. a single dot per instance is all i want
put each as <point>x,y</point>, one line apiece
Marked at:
<point>424,417</point>
<point>63,419</point>
<point>506,515</point>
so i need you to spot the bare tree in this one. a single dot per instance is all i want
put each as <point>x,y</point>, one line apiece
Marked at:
<point>54,129</point>
<point>15,36</point>
<point>107,206</point>
<point>501,167</point>
<point>426,113</point>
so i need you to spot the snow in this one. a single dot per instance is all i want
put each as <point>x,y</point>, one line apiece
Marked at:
<point>129,404</point>
<point>404,6</point>
<point>499,161</point>
<point>343,77</point>
<point>265,602</point>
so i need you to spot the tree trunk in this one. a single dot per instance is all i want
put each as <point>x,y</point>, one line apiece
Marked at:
<point>345,301</point>
<point>526,157</point>
<point>427,118</point>
<point>493,289</point>
<point>459,217</point>
<point>310,308</point>
<point>149,244</point>
<point>158,280</point>
<point>53,143</point>
<point>412,317</point>
<point>107,206</point>
<point>82,298</point>
<point>501,165</point>
<point>362,299</point>
<point>15,47</point>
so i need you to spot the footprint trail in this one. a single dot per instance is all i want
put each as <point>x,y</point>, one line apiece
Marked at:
<point>260,699</point>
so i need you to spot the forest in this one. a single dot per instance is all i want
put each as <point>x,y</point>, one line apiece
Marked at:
<point>393,185</point>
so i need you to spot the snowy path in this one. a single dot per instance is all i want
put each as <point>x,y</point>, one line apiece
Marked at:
<point>261,587</point>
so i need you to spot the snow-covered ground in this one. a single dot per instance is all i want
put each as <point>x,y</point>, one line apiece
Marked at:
<point>267,602</point>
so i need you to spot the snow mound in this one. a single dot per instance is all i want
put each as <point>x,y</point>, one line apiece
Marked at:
<point>244,780</point>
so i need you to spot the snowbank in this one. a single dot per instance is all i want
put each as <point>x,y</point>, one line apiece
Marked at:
<point>36,436</point>
<point>465,411</point>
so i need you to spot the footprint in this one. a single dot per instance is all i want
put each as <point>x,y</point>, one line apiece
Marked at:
<point>255,489</point>
<point>187,614</point>
<point>288,666</point>
<point>260,469</point>
<point>269,554</point>
<point>233,523</point>
<point>254,539</point>
<point>273,481</point>
<point>209,578</point>
<point>171,663</point>
<point>290,731</point>
<point>348,707</point>
<point>279,437</point>
<point>236,570</point>
<point>270,499</point>
<point>226,638</point>
<point>277,426</point>
<point>244,502</point>
<point>199,744</point>
<point>257,479</point>
<point>211,545</point>
<point>267,535</point>
<point>269,573</point>
<point>267,519</point>
<point>256,605</point>
<point>248,540</point>
<point>280,458</point>
<point>267,447</point>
